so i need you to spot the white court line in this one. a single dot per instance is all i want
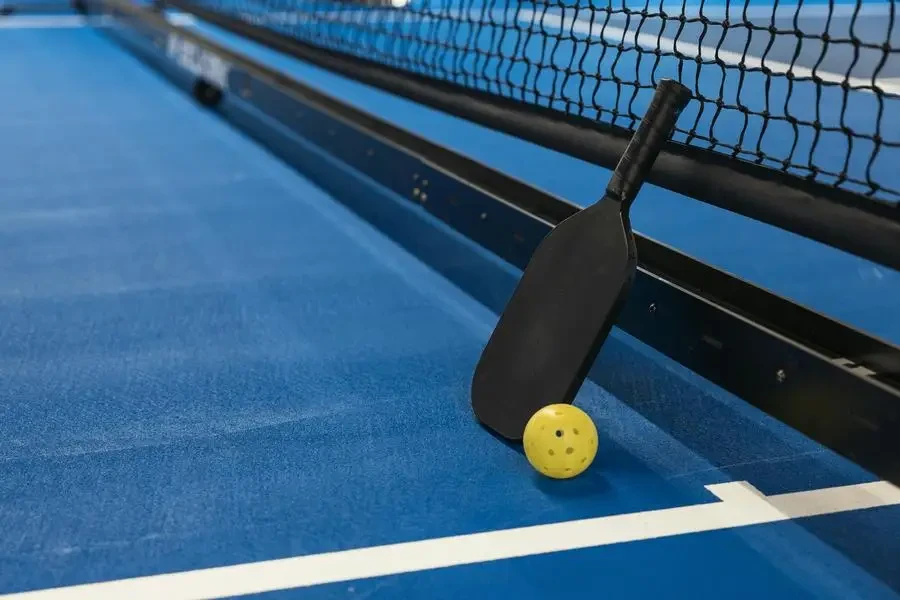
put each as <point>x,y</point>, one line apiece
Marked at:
<point>740,505</point>
<point>77,21</point>
<point>616,35</point>
<point>356,17</point>
<point>181,19</point>
<point>43,22</point>
<point>768,11</point>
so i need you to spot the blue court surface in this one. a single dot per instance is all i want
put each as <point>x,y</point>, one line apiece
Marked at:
<point>220,382</point>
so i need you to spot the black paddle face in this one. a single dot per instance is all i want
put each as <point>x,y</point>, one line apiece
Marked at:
<point>557,319</point>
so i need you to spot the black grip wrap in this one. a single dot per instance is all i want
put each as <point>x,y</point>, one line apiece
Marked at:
<point>657,125</point>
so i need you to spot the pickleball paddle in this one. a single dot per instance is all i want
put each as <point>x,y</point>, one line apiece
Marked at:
<point>571,291</point>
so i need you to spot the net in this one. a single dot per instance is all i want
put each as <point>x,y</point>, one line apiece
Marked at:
<point>808,89</point>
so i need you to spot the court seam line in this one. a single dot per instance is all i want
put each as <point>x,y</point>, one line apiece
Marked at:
<point>740,505</point>
<point>688,50</point>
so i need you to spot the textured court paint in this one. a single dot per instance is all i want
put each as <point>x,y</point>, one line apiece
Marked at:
<point>194,335</point>
<point>208,361</point>
<point>845,287</point>
<point>740,505</point>
<point>648,567</point>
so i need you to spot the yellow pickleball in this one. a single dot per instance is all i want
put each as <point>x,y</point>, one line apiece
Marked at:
<point>560,441</point>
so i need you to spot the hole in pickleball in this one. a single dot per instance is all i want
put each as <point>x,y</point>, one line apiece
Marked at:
<point>583,458</point>
<point>575,431</point>
<point>559,433</point>
<point>551,452</point>
<point>570,450</point>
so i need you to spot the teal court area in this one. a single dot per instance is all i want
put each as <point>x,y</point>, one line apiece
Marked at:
<point>218,380</point>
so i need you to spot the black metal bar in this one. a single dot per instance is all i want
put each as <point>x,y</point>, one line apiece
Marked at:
<point>687,310</point>
<point>846,221</point>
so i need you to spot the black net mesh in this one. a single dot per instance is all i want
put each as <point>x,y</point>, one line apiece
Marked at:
<point>808,89</point>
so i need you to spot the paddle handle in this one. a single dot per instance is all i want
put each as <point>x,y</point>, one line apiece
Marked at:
<point>655,129</point>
